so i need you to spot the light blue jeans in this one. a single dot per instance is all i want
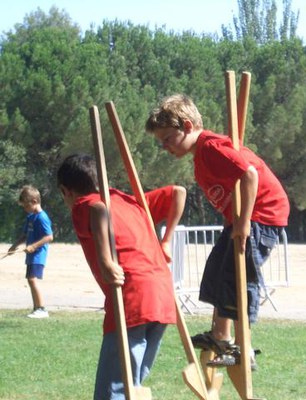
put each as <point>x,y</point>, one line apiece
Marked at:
<point>144,342</point>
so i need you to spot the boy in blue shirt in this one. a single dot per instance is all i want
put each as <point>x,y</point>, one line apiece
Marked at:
<point>37,234</point>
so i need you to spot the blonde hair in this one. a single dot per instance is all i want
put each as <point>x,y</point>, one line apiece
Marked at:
<point>172,112</point>
<point>29,194</point>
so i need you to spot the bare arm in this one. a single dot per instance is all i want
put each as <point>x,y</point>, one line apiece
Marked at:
<point>173,218</point>
<point>111,272</point>
<point>34,246</point>
<point>248,190</point>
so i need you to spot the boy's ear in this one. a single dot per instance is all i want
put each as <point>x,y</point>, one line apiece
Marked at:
<point>188,126</point>
<point>64,190</point>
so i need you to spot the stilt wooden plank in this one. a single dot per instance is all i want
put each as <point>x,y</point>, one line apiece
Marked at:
<point>131,393</point>
<point>240,375</point>
<point>192,374</point>
<point>213,376</point>
<point>242,103</point>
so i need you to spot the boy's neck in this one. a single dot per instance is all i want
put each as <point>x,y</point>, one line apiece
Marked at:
<point>195,135</point>
<point>37,209</point>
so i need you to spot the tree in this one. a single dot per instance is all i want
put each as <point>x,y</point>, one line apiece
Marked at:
<point>50,75</point>
<point>257,20</point>
<point>40,92</point>
<point>12,174</point>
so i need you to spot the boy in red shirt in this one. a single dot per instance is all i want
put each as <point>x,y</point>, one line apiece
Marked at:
<point>142,269</point>
<point>177,124</point>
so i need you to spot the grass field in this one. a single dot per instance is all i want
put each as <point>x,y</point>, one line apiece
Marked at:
<point>56,358</point>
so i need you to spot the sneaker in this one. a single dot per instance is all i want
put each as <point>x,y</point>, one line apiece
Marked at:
<point>39,313</point>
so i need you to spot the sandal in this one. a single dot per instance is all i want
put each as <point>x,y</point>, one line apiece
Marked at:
<point>206,341</point>
<point>229,359</point>
<point>223,360</point>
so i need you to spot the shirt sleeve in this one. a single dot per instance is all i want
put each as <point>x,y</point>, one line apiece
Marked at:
<point>159,202</point>
<point>45,225</point>
<point>230,162</point>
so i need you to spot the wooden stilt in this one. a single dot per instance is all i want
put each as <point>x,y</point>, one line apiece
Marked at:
<point>192,374</point>
<point>240,375</point>
<point>213,376</point>
<point>131,393</point>
<point>242,103</point>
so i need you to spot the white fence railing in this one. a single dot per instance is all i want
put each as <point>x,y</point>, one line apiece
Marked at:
<point>190,249</point>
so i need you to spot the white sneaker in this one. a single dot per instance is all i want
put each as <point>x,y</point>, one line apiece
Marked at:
<point>39,313</point>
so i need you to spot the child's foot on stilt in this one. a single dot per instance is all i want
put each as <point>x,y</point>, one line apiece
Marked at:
<point>206,341</point>
<point>231,358</point>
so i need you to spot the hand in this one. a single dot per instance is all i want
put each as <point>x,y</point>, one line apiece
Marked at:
<point>242,231</point>
<point>113,274</point>
<point>166,248</point>
<point>30,249</point>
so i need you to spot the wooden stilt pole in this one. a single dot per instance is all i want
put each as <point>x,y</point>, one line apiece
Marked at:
<point>240,375</point>
<point>131,392</point>
<point>192,374</point>
<point>243,102</point>
<point>214,378</point>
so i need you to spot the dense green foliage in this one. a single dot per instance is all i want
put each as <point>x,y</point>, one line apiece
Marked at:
<point>50,74</point>
<point>56,358</point>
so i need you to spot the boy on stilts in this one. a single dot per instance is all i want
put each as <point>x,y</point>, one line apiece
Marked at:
<point>142,269</point>
<point>177,124</point>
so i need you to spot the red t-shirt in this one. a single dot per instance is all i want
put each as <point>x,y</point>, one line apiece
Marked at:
<point>218,166</point>
<point>148,293</point>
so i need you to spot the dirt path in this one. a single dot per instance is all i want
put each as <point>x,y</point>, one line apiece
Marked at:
<point>68,284</point>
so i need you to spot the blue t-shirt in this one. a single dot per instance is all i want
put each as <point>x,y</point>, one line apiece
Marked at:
<point>36,227</point>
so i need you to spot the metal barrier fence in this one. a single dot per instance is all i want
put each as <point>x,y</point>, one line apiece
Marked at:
<point>190,249</point>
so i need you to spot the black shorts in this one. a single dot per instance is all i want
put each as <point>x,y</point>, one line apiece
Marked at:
<point>218,286</point>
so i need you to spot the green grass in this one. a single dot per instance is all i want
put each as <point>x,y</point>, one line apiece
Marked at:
<point>56,358</point>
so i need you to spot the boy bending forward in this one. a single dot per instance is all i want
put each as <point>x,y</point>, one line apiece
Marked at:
<point>142,270</point>
<point>177,124</point>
